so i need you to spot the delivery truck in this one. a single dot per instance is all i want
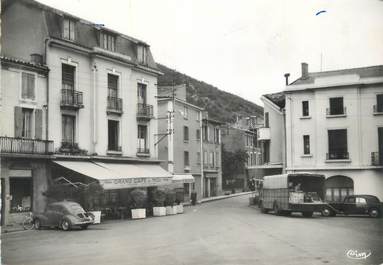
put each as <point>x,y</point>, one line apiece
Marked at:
<point>295,192</point>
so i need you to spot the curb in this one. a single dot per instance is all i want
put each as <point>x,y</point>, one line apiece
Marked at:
<point>219,198</point>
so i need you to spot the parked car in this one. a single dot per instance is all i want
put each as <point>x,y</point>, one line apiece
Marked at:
<point>355,204</point>
<point>64,215</point>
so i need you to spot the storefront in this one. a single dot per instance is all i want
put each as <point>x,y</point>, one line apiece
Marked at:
<point>184,183</point>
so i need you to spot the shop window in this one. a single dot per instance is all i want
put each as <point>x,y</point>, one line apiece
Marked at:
<point>21,194</point>
<point>306,144</point>
<point>28,86</point>
<point>336,106</point>
<point>113,132</point>
<point>305,108</point>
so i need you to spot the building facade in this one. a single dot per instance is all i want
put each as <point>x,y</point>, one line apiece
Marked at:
<point>93,97</point>
<point>334,126</point>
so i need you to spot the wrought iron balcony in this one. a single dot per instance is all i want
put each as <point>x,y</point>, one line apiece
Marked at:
<point>71,99</point>
<point>25,146</point>
<point>331,112</point>
<point>340,155</point>
<point>378,109</point>
<point>144,111</point>
<point>114,105</point>
<point>376,159</point>
<point>143,151</point>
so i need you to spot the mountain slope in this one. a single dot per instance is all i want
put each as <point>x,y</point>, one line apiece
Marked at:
<point>221,105</point>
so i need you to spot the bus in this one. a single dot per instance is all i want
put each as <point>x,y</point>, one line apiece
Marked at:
<point>295,192</point>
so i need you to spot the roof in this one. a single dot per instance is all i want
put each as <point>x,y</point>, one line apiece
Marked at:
<point>363,72</point>
<point>25,64</point>
<point>277,98</point>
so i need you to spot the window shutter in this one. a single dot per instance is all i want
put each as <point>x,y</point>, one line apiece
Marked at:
<point>38,124</point>
<point>18,121</point>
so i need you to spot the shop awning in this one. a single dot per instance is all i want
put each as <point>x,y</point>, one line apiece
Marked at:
<point>183,178</point>
<point>120,176</point>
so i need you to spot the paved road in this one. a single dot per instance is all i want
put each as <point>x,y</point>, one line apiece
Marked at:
<point>220,232</point>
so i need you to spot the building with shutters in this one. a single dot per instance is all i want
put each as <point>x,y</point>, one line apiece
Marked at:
<point>94,99</point>
<point>334,126</point>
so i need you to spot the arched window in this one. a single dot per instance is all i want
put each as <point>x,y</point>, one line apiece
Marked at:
<point>338,187</point>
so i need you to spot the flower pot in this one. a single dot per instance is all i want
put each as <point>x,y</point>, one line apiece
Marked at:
<point>97,216</point>
<point>138,213</point>
<point>159,211</point>
<point>180,208</point>
<point>171,210</point>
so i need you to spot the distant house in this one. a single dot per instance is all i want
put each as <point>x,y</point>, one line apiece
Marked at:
<point>334,126</point>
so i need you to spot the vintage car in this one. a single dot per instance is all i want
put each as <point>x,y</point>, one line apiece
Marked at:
<point>355,204</point>
<point>64,215</point>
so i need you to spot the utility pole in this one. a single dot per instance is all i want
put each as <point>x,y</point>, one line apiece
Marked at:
<point>171,115</point>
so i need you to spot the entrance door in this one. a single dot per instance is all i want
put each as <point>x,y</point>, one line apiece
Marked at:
<point>380,138</point>
<point>213,191</point>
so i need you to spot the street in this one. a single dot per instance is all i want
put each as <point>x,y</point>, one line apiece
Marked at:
<point>221,232</point>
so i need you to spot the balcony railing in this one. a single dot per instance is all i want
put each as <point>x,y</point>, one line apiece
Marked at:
<point>144,111</point>
<point>25,146</point>
<point>143,151</point>
<point>337,156</point>
<point>376,159</point>
<point>71,99</point>
<point>378,109</point>
<point>115,148</point>
<point>330,112</point>
<point>114,105</point>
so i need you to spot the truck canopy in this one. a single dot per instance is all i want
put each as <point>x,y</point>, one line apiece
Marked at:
<point>308,180</point>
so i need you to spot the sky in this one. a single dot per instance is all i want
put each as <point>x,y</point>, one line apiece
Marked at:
<point>245,46</point>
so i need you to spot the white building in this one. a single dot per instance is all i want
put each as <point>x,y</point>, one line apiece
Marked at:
<point>334,126</point>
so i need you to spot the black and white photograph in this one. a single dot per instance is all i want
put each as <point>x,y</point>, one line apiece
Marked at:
<point>191,132</point>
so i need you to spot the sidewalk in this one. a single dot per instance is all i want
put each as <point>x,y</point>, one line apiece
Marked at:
<point>216,198</point>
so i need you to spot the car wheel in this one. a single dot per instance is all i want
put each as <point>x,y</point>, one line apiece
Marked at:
<point>327,212</point>
<point>307,214</point>
<point>374,212</point>
<point>84,227</point>
<point>65,225</point>
<point>37,224</point>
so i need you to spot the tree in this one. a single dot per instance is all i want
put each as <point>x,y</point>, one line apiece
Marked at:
<point>233,163</point>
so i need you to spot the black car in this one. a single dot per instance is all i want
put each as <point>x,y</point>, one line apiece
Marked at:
<point>65,215</point>
<point>355,204</point>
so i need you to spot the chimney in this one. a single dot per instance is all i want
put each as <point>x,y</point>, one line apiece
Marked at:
<point>305,70</point>
<point>287,78</point>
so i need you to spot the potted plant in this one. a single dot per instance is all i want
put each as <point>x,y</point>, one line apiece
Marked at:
<point>171,209</point>
<point>91,194</point>
<point>138,204</point>
<point>158,201</point>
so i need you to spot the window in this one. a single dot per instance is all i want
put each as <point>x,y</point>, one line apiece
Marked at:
<point>305,108</point>
<point>211,159</point>
<point>198,119</point>
<point>142,136</point>
<point>216,135</point>
<point>198,158</point>
<point>112,86</point>
<point>27,123</point>
<point>141,54</point>
<point>27,86</point>
<point>379,102</point>
<point>186,159</point>
<point>68,29</point>
<point>186,133</point>
<point>337,144</point>
<point>113,132</point>
<point>205,158</point>
<point>217,159</point>
<point>186,112</point>
<point>68,75</point>
<point>306,144</point>
<point>68,129</point>
<point>336,106</point>
<point>360,200</point>
<point>266,119</point>
<point>351,200</point>
<point>198,134</point>
<point>205,133</point>
<point>141,93</point>
<point>186,188</point>
<point>21,191</point>
<point>107,41</point>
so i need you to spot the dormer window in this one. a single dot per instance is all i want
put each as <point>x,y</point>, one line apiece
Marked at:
<point>107,41</point>
<point>69,29</point>
<point>141,54</point>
